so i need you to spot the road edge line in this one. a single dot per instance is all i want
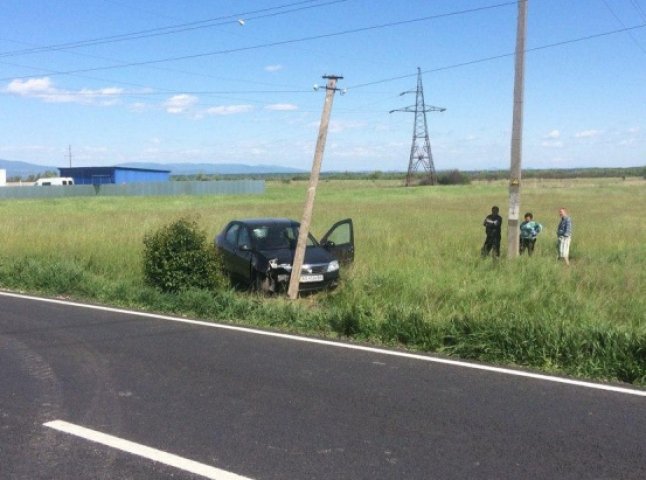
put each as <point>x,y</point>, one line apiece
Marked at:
<point>349,346</point>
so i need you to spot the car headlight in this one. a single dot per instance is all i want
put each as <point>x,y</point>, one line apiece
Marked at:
<point>333,266</point>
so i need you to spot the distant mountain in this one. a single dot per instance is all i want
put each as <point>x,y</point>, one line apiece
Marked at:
<point>24,169</point>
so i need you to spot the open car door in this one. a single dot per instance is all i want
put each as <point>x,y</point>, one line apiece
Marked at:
<point>339,241</point>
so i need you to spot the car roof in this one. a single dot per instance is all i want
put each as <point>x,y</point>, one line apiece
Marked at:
<point>258,222</point>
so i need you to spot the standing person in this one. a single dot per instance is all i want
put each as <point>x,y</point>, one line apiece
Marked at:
<point>493,227</point>
<point>529,230</point>
<point>564,235</point>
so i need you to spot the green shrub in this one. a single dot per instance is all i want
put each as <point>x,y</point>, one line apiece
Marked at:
<point>454,177</point>
<point>177,257</point>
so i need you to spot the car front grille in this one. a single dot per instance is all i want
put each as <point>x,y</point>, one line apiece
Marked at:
<point>314,268</point>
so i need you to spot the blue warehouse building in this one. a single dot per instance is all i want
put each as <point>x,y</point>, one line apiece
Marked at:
<point>116,175</point>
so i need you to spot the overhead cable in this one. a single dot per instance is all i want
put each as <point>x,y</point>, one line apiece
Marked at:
<point>171,29</point>
<point>281,42</point>
<point>496,57</point>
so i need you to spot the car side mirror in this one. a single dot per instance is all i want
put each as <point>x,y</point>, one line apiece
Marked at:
<point>328,244</point>
<point>244,248</point>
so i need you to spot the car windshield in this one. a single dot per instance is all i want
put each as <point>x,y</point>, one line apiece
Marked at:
<point>276,237</point>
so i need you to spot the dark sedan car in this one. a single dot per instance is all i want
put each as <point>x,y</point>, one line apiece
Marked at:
<point>259,253</point>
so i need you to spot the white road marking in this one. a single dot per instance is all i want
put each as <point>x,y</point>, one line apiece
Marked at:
<point>329,343</point>
<point>144,451</point>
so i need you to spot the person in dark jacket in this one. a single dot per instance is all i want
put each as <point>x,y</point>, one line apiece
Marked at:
<point>493,228</point>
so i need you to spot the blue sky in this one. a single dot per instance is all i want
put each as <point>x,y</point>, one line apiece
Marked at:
<point>231,81</point>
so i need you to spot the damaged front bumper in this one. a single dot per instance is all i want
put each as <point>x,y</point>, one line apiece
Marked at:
<point>313,276</point>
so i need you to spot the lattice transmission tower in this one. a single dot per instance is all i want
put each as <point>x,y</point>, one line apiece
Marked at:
<point>420,150</point>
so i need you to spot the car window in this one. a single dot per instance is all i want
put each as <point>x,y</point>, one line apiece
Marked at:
<point>341,235</point>
<point>276,237</point>
<point>293,235</point>
<point>271,237</point>
<point>232,234</point>
<point>259,233</point>
<point>243,238</point>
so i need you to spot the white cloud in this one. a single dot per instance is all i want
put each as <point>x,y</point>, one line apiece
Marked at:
<point>180,103</point>
<point>273,68</point>
<point>634,130</point>
<point>552,144</point>
<point>587,134</point>
<point>553,134</point>
<point>45,90</point>
<point>229,109</point>
<point>281,107</point>
<point>31,86</point>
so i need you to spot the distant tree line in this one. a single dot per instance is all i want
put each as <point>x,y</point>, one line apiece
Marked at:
<point>448,177</point>
<point>33,177</point>
<point>562,173</point>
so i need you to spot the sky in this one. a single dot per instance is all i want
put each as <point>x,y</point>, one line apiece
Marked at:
<point>231,81</point>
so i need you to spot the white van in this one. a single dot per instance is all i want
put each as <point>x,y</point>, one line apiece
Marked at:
<point>54,181</point>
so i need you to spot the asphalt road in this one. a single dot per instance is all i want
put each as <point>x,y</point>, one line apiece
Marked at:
<point>267,407</point>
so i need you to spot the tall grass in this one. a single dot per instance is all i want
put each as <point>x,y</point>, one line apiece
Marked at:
<point>417,281</point>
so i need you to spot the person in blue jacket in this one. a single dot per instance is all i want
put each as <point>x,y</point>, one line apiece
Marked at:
<point>529,230</point>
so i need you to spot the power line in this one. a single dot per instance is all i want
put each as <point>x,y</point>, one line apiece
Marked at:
<point>390,79</point>
<point>167,69</point>
<point>164,69</point>
<point>362,85</point>
<point>172,70</point>
<point>630,34</point>
<point>497,57</point>
<point>639,9</point>
<point>61,47</point>
<point>172,29</point>
<point>188,92</point>
<point>283,42</point>
<point>385,80</point>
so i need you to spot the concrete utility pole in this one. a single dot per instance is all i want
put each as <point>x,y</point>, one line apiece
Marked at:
<point>517,133</point>
<point>304,229</point>
<point>69,154</point>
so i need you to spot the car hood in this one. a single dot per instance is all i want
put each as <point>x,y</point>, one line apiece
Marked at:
<point>313,255</point>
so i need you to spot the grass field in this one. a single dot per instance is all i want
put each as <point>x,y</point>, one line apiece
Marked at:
<point>418,280</point>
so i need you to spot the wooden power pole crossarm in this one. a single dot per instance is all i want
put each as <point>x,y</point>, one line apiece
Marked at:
<point>304,229</point>
<point>517,134</point>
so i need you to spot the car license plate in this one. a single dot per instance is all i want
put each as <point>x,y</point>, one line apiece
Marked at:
<point>311,278</point>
